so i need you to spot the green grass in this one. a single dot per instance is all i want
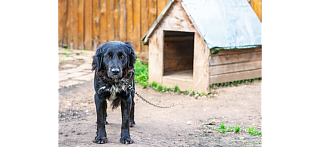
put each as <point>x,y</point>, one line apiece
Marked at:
<point>159,88</point>
<point>141,72</point>
<point>222,130</point>
<point>230,129</point>
<point>237,129</point>
<point>252,131</point>
<point>176,88</point>
<point>222,126</point>
<point>234,83</point>
<point>153,84</point>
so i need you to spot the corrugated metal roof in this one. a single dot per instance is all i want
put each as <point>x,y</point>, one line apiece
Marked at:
<point>223,24</point>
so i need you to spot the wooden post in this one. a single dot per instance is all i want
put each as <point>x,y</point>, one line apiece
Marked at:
<point>144,26</point>
<point>70,24</point>
<point>117,20</point>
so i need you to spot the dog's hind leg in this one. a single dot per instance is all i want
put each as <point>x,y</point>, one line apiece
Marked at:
<point>106,114</point>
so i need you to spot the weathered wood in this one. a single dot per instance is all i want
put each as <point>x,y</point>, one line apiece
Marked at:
<point>161,4</point>
<point>156,67</point>
<point>103,22</point>
<point>152,12</point>
<point>95,21</point>
<point>123,21</point>
<point>144,27</point>
<point>64,22</point>
<point>70,24</point>
<point>60,23</point>
<point>235,58</point>
<point>136,26</point>
<point>129,20</point>
<point>250,74</point>
<point>81,24</point>
<point>183,84</point>
<point>117,20</point>
<point>110,20</point>
<point>75,25</point>
<point>236,67</point>
<point>88,24</point>
<point>236,51</point>
<point>179,38</point>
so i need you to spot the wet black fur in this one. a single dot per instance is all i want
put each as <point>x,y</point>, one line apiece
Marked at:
<point>102,65</point>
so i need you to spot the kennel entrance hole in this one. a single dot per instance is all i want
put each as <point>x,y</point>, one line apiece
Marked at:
<point>178,55</point>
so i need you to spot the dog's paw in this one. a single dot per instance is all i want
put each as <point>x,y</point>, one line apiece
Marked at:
<point>100,140</point>
<point>131,123</point>
<point>126,141</point>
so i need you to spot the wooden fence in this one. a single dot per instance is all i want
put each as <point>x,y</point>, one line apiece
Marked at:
<point>84,24</point>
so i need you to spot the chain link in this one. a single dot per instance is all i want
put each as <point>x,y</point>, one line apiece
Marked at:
<point>130,87</point>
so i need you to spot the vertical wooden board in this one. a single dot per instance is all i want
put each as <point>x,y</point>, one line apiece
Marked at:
<point>160,6</point>
<point>136,26</point>
<point>64,8</point>
<point>95,25</point>
<point>75,24</point>
<point>110,20</point>
<point>81,24</point>
<point>103,21</point>
<point>129,20</point>
<point>152,12</point>
<point>60,23</point>
<point>70,24</point>
<point>122,21</point>
<point>144,26</point>
<point>88,24</point>
<point>117,20</point>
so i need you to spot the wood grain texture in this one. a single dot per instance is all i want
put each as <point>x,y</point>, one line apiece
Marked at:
<point>236,67</point>
<point>235,58</point>
<point>96,23</point>
<point>81,24</point>
<point>110,20</point>
<point>136,26</point>
<point>60,23</point>
<point>250,74</point>
<point>116,20</point>
<point>75,25</point>
<point>129,20</point>
<point>64,6</point>
<point>70,27</point>
<point>144,26</point>
<point>160,6</point>
<point>103,22</point>
<point>88,24</point>
<point>123,21</point>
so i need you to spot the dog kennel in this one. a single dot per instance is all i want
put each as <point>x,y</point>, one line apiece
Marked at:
<point>211,41</point>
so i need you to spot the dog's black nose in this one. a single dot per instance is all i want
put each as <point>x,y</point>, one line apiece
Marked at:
<point>115,70</point>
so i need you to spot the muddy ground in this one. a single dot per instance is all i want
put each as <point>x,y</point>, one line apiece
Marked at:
<point>191,123</point>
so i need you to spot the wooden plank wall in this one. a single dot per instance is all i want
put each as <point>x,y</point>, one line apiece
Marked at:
<point>84,24</point>
<point>233,65</point>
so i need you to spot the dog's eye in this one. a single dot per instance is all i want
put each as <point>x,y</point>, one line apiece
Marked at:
<point>122,56</point>
<point>108,56</point>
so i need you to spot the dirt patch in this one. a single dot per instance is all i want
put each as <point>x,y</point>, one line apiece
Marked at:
<point>184,125</point>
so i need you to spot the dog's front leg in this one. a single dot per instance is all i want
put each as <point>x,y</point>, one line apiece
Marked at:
<point>101,113</point>
<point>125,112</point>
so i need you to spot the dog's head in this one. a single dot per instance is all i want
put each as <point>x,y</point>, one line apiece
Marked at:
<point>114,58</point>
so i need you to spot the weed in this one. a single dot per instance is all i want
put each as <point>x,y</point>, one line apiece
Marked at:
<point>197,94</point>
<point>222,126</point>
<point>230,129</point>
<point>159,88</point>
<point>236,129</point>
<point>67,55</point>
<point>192,92</point>
<point>222,130</point>
<point>186,92</point>
<point>85,49</point>
<point>167,89</point>
<point>252,131</point>
<point>154,84</point>
<point>66,48</point>
<point>209,92</point>
<point>202,94</point>
<point>217,129</point>
<point>144,84</point>
<point>176,88</point>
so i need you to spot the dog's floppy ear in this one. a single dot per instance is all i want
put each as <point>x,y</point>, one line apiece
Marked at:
<point>131,54</point>
<point>97,58</point>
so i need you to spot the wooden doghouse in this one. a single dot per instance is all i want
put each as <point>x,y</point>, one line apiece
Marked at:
<point>215,41</point>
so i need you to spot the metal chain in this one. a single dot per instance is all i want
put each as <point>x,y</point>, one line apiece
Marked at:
<point>171,105</point>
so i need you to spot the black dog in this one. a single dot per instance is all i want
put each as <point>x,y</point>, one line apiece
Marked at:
<point>114,70</point>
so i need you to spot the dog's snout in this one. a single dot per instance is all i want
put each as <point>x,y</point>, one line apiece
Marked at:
<point>115,70</point>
